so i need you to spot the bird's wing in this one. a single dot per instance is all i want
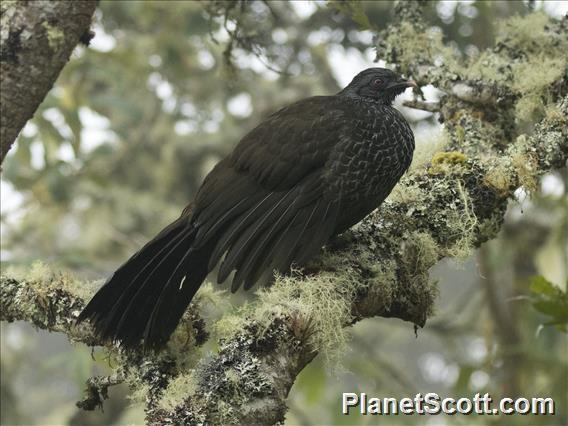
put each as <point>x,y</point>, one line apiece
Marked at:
<point>267,205</point>
<point>291,143</point>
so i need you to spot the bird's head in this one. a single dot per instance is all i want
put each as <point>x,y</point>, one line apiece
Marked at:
<point>379,84</point>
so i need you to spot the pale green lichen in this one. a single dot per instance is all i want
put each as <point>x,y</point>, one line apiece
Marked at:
<point>533,80</point>
<point>525,165</point>
<point>528,33</point>
<point>6,4</point>
<point>178,390</point>
<point>499,177</point>
<point>208,295</point>
<point>463,224</point>
<point>228,325</point>
<point>553,113</point>
<point>529,59</point>
<point>421,252</point>
<point>406,193</point>
<point>488,66</point>
<point>319,307</point>
<point>42,280</point>
<point>407,46</point>
<point>138,391</point>
<point>182,345</point>
<point>380,289</point>
<point>321,304</point>
<point>55,36</point>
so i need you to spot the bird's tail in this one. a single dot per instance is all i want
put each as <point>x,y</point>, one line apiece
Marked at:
<point>146,297</point>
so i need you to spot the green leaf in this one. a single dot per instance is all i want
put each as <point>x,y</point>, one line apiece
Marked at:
<point>553,308</point>
<point>541,285</point>
<point>551,301</point>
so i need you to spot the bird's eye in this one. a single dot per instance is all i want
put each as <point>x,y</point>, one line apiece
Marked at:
<point>377,82</point>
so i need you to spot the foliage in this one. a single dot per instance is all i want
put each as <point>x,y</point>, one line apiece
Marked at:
<point>551,301</point>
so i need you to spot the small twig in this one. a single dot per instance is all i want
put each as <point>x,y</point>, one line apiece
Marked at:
<point>97,391</point>
<point>272,11</point>
<point>478,92</point>
<point>423,105</point>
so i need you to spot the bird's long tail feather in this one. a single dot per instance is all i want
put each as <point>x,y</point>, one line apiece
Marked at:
<point>146,297</point>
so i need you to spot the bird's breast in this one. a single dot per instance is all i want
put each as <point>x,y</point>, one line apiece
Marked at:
<point>373,153</point>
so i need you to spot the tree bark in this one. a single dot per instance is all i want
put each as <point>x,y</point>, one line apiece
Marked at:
<point>37,39</point>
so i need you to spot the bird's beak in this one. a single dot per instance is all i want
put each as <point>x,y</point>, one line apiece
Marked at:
<point>402,84</point>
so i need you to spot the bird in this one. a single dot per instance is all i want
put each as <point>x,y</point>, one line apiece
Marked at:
<point>305,174</point>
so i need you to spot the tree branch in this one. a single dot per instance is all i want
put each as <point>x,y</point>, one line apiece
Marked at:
<point>423,105</point>
<point>97,391</point>
<point>37,39</point>
<point>48,300</point>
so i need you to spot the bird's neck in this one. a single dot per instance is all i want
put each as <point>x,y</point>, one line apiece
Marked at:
<point>382,101</point>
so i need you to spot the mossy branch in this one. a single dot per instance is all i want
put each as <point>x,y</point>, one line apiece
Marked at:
<point>50,301</point>
<point>450,202</point>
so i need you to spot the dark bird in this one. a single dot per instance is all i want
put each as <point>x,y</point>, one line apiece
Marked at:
<point>308,172</point>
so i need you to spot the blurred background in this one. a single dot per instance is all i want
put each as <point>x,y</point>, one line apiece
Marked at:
<point>138,118</point>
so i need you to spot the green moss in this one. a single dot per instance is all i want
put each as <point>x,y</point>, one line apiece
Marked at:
<point>55,36</point>
<point>447,162</point>
<point>449,157</point>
